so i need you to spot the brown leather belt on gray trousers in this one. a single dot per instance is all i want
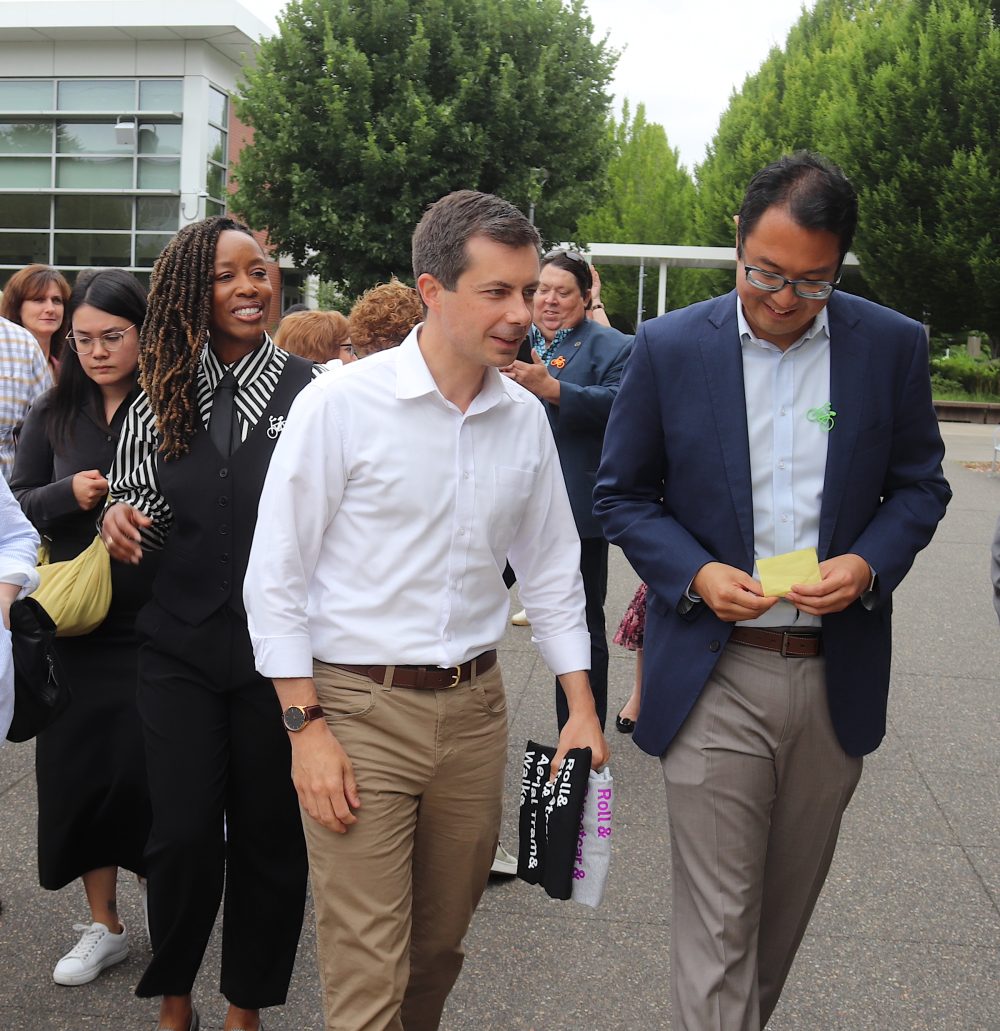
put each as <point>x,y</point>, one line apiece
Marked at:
<point>792,644</point>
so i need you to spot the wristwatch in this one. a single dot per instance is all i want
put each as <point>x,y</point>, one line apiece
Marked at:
<point>295,717</point>
<point>594,307</point>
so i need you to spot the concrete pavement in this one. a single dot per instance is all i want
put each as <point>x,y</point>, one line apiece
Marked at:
<point>906,933</point>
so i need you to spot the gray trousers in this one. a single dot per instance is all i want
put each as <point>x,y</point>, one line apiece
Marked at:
<point>757,784</point>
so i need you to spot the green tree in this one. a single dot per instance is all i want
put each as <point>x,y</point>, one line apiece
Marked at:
<point>903,95</point>
<point>363,114</point>
<point>650,199</point>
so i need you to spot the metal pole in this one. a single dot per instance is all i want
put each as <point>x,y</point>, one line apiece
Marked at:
<point>642,277</point>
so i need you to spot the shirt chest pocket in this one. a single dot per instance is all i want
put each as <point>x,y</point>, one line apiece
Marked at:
<point>511,493</point>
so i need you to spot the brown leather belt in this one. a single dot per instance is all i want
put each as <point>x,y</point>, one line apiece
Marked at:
<point>426,678</point>
<point>792,644</point>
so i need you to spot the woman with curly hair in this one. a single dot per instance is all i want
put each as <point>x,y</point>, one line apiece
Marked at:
<point>186,480</point>
<point>36,298</point>
<point>382,317</point>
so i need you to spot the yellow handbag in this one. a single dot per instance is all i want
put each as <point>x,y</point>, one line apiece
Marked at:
<point>77,593</point>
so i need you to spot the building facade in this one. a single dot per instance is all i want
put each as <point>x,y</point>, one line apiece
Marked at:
<point>113,136</point>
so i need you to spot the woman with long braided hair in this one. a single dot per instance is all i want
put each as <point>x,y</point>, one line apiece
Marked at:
<point>187,478</point>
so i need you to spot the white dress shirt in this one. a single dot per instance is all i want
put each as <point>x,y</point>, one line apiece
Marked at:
<point>18,555</point>
<point>787,448</point>
<point>387,517</point>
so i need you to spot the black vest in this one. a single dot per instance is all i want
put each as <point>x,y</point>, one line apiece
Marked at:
<point>214,504</point>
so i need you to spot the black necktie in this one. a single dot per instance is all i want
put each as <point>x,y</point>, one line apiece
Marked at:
<point>222,427</point>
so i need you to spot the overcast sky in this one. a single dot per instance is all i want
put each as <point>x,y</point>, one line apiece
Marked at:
<point>682,58</point>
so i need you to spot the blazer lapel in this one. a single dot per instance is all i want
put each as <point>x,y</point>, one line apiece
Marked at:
<point>722,358</point>
<point>568,350</point>
<point>848,376</point>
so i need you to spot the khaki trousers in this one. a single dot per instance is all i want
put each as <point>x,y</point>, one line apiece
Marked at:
<point>757,784</point>
<point>395,895</point>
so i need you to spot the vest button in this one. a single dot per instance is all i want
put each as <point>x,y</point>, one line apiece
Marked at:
<point>223,472</point>
<point>224,529</point>
<point>224,585</point>
<point>224,557</point>
<point>223,501</point>
<point>713,646</point>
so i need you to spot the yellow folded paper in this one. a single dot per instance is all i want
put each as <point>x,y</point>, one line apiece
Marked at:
<point>779,574</point>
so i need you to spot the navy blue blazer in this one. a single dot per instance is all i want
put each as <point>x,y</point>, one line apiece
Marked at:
<point>588,364</point>
<point>673,491</point>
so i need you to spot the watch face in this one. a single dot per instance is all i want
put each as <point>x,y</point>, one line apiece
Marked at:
<point>295,717</point>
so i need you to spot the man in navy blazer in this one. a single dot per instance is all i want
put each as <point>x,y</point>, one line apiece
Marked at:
<point>779,417</point>
<point>574,367</point>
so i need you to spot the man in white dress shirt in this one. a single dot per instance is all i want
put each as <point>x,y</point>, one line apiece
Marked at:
<point>375,599</point>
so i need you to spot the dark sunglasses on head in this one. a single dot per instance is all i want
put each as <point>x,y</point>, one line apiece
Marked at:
<point>563,252</point>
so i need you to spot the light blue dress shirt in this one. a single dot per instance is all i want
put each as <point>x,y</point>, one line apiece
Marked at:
<point>787,448</point>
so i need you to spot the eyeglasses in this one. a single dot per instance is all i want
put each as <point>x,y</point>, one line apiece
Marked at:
<point>564,252</point>
<point>110,341</point>
<point>808,289</point>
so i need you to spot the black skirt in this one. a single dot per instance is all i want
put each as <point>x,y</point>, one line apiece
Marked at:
<point>93,800</point>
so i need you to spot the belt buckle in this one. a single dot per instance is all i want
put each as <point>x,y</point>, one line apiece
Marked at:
<point>785,638</point>
<point>458,675</point>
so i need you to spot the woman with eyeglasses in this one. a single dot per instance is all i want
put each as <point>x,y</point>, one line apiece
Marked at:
<point>36,298</point>
<point>93,802</point>
<point>574,367</point>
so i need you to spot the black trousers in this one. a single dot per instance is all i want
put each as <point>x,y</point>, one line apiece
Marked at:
<point>225,811</point>
<point>594,569</point>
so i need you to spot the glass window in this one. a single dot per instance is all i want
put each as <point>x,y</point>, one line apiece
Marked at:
<point>159,174</point>
<point>149,246</point>
<point>93,212</point>
<point>25,137</point>
<point>215,181</point>
<point>93,249</point>
<point>218,103</point>
<point>26,95</point>
<point>158,213</point>
<point>159,139</point>
<point>216,145</point>
<point>21,173</point>
<point>97,95</point>
<point>89,138</point>
<point>26,212</point>
<point>214,207</point>
<point>24,248</point>
<point>94,173</point>
<point>160,95</point>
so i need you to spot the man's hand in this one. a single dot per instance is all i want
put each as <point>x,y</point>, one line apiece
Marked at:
<point>534,377</point>
<point>324,777</point>
<point>89,487</point>
<point>729,592</point>
<point>120,531</point>
<point>8,595</point>
<point>845,579</point>
<point>582,730</point>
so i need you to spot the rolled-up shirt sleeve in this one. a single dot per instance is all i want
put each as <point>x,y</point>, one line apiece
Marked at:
<point>18,545</point>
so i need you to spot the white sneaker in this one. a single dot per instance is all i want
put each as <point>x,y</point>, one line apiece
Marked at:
<point>520,619</point>
<point>504,863</point>
<point>97,948</point>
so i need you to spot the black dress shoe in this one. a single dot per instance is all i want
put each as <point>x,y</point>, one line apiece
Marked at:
<point>623,724</point>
